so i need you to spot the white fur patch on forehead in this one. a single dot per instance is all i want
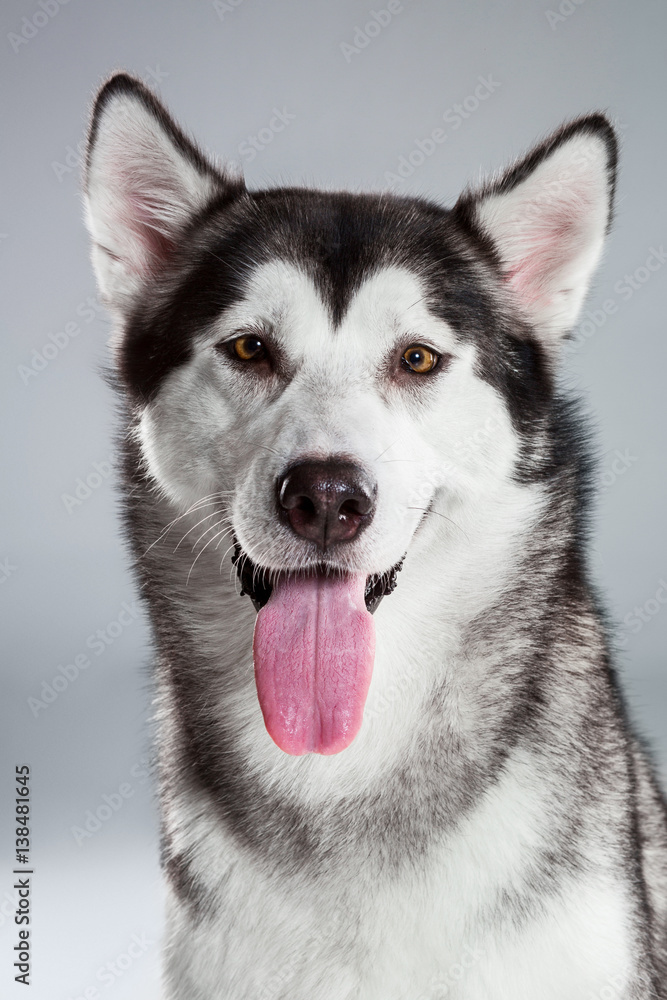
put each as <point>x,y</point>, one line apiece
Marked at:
<point>390,303</point>
<point>281,297</point>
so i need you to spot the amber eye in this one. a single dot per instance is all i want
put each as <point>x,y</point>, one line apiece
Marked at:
<point>248,348</point>
<point>420,359</point>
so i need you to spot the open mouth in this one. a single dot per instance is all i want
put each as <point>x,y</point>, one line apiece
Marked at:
<point>256,584</point>
<point>313,651</point>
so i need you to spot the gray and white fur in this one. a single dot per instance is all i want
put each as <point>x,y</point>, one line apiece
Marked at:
<point>495,830</point>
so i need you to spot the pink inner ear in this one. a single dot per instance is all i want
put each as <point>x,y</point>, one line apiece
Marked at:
<point>541,250</point>
<point>151,246</point>
<point>144,208</point>
<point>157,244</point>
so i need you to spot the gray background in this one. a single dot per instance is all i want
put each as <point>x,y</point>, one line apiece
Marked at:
<point>223,72</point>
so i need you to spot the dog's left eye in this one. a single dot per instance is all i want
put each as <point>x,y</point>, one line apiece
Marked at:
<point>247,347</point>
<point>420,359</point>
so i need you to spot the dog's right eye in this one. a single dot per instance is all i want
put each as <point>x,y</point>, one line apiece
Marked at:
<point>420,359</point>
<point>248,347</point>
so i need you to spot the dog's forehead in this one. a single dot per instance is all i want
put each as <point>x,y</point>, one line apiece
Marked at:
<point>317,269</point>
<point>389,302</point>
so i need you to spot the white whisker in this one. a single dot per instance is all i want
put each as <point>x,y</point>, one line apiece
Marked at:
<point>197,505</point>
<point>199,554</point>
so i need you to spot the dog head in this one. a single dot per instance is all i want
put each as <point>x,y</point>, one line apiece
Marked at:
<point>342,371</point>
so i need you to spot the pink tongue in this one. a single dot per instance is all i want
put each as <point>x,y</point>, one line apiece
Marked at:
<point>314,647</point>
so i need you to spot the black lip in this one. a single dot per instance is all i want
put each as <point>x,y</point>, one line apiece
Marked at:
<point>255,585</point>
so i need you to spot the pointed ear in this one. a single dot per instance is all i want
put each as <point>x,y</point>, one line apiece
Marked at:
<point>546,219</point>
<point>145,182</point>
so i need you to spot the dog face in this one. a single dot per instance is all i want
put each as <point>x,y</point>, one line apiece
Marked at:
<point>343,372</point>
<point>326,392</point>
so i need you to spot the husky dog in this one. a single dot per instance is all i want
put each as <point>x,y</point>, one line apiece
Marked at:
<point>397,766</point>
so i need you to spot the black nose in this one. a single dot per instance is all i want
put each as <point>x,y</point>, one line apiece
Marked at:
<point>326,502</point>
